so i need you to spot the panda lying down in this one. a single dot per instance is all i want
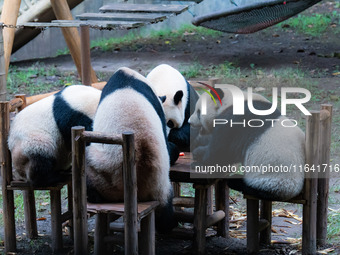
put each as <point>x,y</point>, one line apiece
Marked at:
<point>271,144</point>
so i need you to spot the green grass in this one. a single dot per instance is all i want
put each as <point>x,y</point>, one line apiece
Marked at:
<point>167,36</point>
<point>313,25</point>
<point>32,80</point>
<point>333,230</point>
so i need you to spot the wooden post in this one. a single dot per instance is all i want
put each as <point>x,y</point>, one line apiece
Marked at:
<point>311,182</point>
<point>56,227</point>
<point>85,55</point>
<point>99,233</point>
<point>200,215</point>
<point>252,225</point>
<point>62,11</point>
<point>323,181</point>
<point>3,85</point>
<point>6,172</point>
<point>222,203</point>
<point>9,16</point>
<point>70,208</point>
<point>30,214</point>
<point>79,192</point>
<point>266,213</point>
<point>147,237</point>
<point>130,195</point>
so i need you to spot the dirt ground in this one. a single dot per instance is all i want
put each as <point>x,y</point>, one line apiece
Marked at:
<point>269,49</point>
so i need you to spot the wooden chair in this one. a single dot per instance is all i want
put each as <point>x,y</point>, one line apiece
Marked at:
<point>314,196</point>
<point>137,216</point>
<point>9,186</point>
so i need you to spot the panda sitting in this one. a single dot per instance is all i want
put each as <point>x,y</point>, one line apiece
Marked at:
<point>40,135</point>
<point>266,145</point>
<point>179,100</point>
<point>129,103</point>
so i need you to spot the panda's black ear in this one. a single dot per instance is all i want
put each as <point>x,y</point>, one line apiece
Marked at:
<point>163,98</point>
<point>220,92</point>
<point>178,97</point>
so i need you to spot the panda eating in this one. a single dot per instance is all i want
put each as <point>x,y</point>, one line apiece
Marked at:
<point>179,100</point>
<point>271,144</point>
<point>129,103</point>
<point>40,135</point>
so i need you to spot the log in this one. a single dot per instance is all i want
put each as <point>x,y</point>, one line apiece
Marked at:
<point>79,192</point>
<point>22,97</point>
<point>71,35</point>
<point>3,84</point>
<point>9,16</point>
<point>184,216</point>
<point>215,218</point>
<point>323,181</point>
<point>56,223</point>
<point>183,201</point>
<point>222,203</point>
<point>98,137</point>
<point>100,233</point>
<point>130,195</point>
<point>30,214</point>
<point>14,104</point>
<point>147,236</point>
<point>85,55</point>
<point>200,213</point>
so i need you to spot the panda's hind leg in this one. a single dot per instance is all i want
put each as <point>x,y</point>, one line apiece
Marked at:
<point>165,219</point>
<point>42,171</point>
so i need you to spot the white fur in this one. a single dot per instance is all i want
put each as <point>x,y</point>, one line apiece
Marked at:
<point>277,146</point>
<point>34,130</point>
<point>167,81</point>
<point>121,111</point>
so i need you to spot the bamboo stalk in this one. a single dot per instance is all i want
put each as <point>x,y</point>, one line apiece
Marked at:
<point>3,87</point>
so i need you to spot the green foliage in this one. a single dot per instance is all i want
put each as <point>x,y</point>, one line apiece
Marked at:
<point>32,80</point>
<point>313,25</point>
<point>133,38</point>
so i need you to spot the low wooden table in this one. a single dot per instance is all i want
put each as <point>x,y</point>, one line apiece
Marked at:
<point>180,172</point>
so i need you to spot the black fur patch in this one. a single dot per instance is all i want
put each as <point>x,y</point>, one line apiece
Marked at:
<point>42,171</point>
<point>228,145</point>
<point>181,136</point>
<point>165,219</point>
<point>66,118</point>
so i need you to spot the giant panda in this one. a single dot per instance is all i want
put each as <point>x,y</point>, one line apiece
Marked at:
<point>40,135</point>
<point>179,102</point>
<point>251,146</point>
<point>129,103</point>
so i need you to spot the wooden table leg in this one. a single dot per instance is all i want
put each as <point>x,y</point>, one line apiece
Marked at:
<point>266,213</point>
<point>222,203</point>
<point>200,214</point>
<point>30,214</point>
<point>252,225</point>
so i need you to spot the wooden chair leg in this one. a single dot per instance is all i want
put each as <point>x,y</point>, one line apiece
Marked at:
<point>70,207</point>
<point>309,219</point>
<point>200,214</point>
<point>100,233</point>
<point>222,203</point>
<point>147,238</point>
<point>9,224</point>
<point>30,214</point>
<point>252,225</point>
<point>56,224</point>
<point>266,214</point>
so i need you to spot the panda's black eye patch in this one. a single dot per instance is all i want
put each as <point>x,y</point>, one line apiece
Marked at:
<point>178,97</point>
<point>170,124</point>
<point>199,114</point>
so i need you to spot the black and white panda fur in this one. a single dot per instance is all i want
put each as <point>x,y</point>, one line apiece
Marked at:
<point>225,145</point>
<point>180,100</point>
<point>128,103</point>
<point>40,135</point>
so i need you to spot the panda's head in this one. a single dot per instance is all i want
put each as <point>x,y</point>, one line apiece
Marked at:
<point>171,87</point>
<point>205,121</point>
